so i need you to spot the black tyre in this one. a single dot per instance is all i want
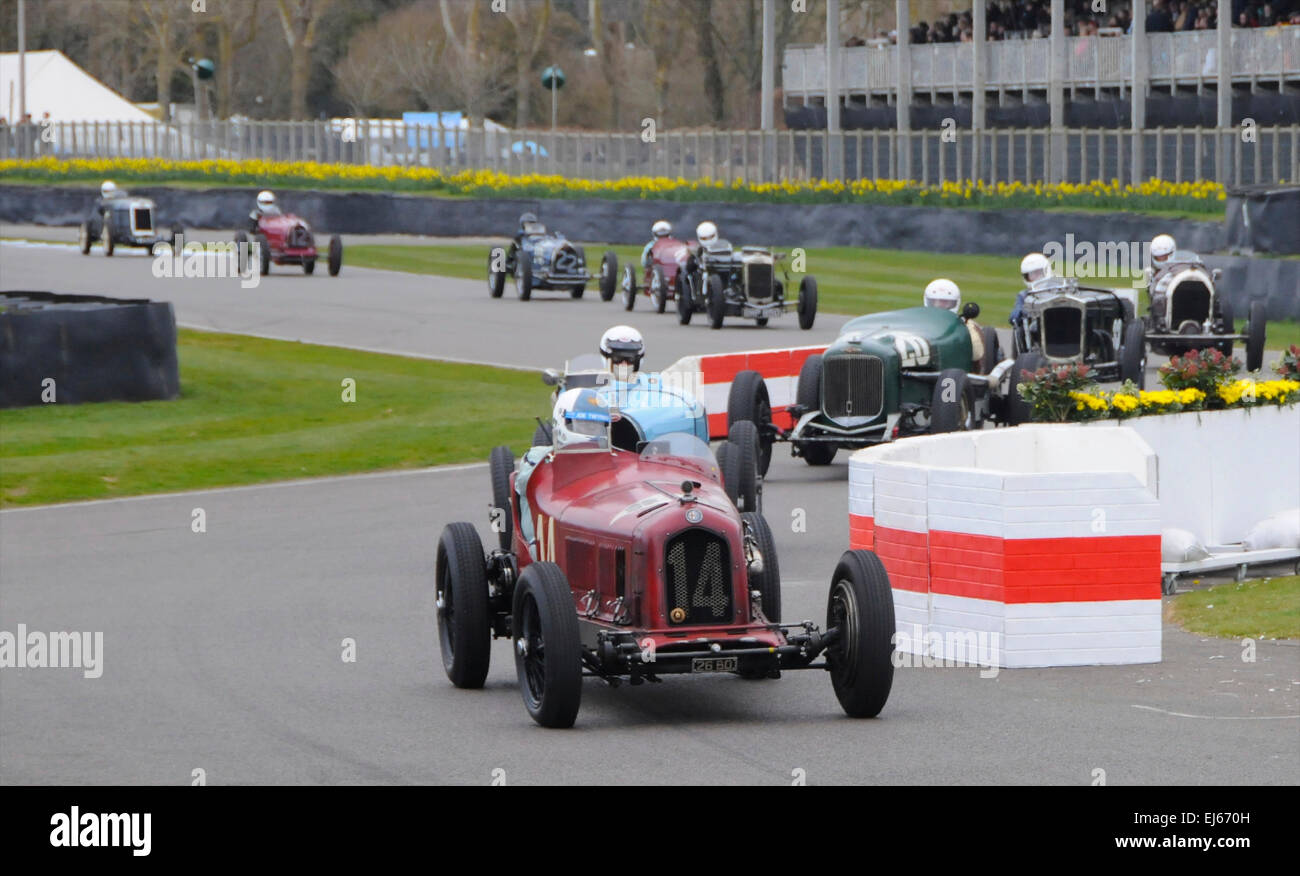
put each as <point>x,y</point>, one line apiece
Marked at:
<point>496,278</point>
<point>335,255</point>
<point>1225,317</point>
<point>84,240</point>
<point>578,291</point>
<point>241,250</point>
<point>524,276</point>
<point>461,591</point>
<point>106,235</point>
<point>548,651</point>
<point>685,307</point>
<point>807,301</point>
<point>608,275</point>
<point>744,458</point>
<point>1255,337</point>
<point>177,230</point>
<point>629,287</point>
<point>309,266</point>
<point>501,464</point>
<point>808,391</point>
<point>817,452</point>
<point>1133,355</point>
<point>264,254</point>
<point>658,289</point>
<point>717,302</point>
<point>861,608</point>
<point>992,350</point>
<point>749,401</point>
<point>768,581</point>
<point>729,469</point>
<point>952,408</point>
<point>542,436</point>
<point>1018,410</point>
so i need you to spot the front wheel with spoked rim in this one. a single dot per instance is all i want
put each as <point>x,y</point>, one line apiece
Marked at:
<point>461,596</point>
<point>860,609</point>
<point>548,650</point>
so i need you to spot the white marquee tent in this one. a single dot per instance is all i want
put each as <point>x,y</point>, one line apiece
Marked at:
<point>57,86</point>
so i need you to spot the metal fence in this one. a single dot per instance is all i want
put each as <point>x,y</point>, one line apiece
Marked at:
<point>1259,56</point>
<point>1002,155</point>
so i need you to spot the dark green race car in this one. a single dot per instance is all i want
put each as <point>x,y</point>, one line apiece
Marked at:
<point>887,375</point>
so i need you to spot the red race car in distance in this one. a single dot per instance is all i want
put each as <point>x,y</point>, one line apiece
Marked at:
<point>636,565</point>
<point>287,239</point>
<point>668,256</point>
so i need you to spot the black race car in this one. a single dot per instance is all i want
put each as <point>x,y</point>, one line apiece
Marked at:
<point>124,220</point>
<point>541,259</point>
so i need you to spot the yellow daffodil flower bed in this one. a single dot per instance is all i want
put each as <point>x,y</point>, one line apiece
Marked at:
<point>1199,197</point>
<point>1128,401</point>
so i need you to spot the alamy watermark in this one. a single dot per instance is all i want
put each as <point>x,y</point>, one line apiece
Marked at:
<point>35,649</point>
<point>930,649</point>
<point>211,260</point>
<point>1108,259</point>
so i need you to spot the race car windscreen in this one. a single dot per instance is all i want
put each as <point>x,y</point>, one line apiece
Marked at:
<point>680,447</point>
<point>534,228</point>
<point>586,370</point>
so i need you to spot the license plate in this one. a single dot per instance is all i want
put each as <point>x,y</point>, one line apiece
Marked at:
<point>713,664</point>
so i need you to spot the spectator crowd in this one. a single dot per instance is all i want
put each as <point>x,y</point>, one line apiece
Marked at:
<point>1031,19</point>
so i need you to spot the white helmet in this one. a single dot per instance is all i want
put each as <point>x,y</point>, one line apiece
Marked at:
<point>1035,267</point>
<point>580,418</point>
<point>108,189</point>
<point>706,233</point>
<point>943,293</point>
<point>1162,247</point>
<point>662,228</point>
<point>265,199</point>
<point>622,347</point>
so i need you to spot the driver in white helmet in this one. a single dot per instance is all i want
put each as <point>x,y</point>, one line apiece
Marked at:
<point>658,232</point>
<point>266,206</point>
<point>944,294</point>
<point>706,235</point>
<point>580,420</point>
<point>1162,252</point>
<point>108,191</point>
<point>1034,268</point>
<point>623,348</point>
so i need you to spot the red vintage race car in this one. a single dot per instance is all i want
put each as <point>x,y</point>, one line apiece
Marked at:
<point>623,565</point>
<point>288,240</point>
<point>668,257</point>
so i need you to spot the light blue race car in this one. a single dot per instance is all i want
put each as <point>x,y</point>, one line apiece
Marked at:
<point>649,406</point>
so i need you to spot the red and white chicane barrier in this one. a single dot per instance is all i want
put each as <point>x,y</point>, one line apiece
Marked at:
<point>710,379</point>
<point>1036,546</point>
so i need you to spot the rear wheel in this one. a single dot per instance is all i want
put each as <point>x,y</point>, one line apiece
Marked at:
<point>497,260</point>
<point>106,235</point>
<point>951,407</point>
<point>524,277</point>
<point>629,287</point>
<point>1255,337</point>
<point>461,592</point>
<point>861,609</point>
<point>84,240</point>
<point>749,401</point>
<point>308,266</point>
<point>578,291</point>
<point>542,436</point>
<point>501,463</point>
<point>1018,410</point>
<point>807,301</point>
<point>992,350</point>
<point>1133,355</point>
<point>658,289</point>
<point>743,487</point>
<point>264,254</point>
<point>717,302</point>
<point>1225,319</point>
<point>241,250</point>
<point>335,255</point>
<point>548,651</point>
<point>608,275</point>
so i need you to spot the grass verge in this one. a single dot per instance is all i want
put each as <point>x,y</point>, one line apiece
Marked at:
<point>253,410</point>
<point>850,280</point>
<point>1266,608</point>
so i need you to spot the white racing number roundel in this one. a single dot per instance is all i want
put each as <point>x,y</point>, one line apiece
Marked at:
<point>913,350</point>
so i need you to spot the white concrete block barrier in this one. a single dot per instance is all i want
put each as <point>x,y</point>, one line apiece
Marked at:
<point>1034,546</point>
<point>711,377</point>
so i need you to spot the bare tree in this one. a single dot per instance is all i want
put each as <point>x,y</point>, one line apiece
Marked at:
<point>236,27</point>
<point>529,23</point>
<point>300,18</point>
<point>702,12</point>
<point>470,70</point>
<point>170,25</point>
<point>661,29</point>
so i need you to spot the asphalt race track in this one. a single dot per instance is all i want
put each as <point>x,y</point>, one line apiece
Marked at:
<point>222,650</point>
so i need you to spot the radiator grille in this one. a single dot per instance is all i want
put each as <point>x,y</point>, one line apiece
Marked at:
<point>299,238</point>
<point>143,219</point>
<point>852,386</point>
<point>758,281</point>
<point>697,572</point>
<point>1190,301</point>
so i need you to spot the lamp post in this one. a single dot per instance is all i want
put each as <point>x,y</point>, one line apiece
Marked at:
<point>553,80</point>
